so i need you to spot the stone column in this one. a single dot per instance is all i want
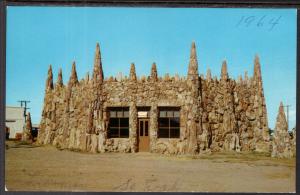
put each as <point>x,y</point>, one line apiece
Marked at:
<point>102,131</point>
<point>153,126</point>
<point>66,119</point>
<point>192,101</point>
<point>133,126</point>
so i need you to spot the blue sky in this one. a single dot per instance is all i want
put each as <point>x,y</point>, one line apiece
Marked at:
<point>39,36</point>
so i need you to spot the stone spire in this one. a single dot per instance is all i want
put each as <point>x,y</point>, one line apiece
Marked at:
<point>132,75</point>
<point>257,78</point>
<point>59,81</point>
<point>208,74</point>
<point>154,72</point>
<point>98,71</point>
<point>281,144</point>
<point>49,82</point>
<point>193,65</point>
<point>73,78</point>
<point>224,73</point>
<point>281,122</point>
<point>257,69</point>
<point>194,105</point>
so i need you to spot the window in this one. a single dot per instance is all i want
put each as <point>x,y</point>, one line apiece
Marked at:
<point>169,122</point>
<point>118,126</point>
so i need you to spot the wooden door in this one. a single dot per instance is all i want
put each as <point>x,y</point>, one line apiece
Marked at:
<point>143,133</point>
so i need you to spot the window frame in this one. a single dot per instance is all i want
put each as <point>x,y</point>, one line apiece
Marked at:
<point>124,115</point>
<point>166,115</point>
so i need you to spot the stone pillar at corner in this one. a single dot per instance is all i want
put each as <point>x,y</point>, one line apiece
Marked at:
<point>153,127</point>
<point>133,126</point>
<point>193,101</point>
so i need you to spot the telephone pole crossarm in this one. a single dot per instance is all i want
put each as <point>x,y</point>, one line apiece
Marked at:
<point>25,107</point>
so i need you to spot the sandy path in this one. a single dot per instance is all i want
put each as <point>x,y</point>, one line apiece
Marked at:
<point>48,169</point>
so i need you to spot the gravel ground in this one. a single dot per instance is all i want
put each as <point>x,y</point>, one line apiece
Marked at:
<point>46,168</point>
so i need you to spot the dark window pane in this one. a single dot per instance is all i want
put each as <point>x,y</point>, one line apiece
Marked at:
<point>113,132</point>
<point>162,114</point>
<point>118,125</point>
<point>124,122</point>
<point>114,122</point>
<point>146,128</point>
<point>163,133</point>
<point>141,128</point>
<point>174,122</point>
<point>163,122</point>
<point>174,133</point>
<point>124,132</point>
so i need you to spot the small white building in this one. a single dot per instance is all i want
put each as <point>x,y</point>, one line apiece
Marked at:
<point>15,120</point>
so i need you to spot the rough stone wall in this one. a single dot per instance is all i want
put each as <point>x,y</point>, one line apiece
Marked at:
<point>234,112</point>
<point>294,141</point>
<point>218,117</point>
<point>215,114</point>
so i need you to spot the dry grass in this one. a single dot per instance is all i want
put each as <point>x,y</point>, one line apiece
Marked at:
<point>246,157</point>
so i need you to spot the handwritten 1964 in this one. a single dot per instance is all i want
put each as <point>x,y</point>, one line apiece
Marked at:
<point>260,22</point>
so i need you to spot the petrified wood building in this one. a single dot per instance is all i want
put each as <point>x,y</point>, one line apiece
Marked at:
<point>172,115</point>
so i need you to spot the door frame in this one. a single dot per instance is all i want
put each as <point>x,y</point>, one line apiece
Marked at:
<point>138,133</point>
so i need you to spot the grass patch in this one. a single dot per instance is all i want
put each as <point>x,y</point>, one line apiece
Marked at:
<point>20,144</point>
<point>17,143</point>
<point>251,158</point>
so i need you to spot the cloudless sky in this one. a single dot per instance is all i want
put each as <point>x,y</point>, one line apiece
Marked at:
<point>39,36</point>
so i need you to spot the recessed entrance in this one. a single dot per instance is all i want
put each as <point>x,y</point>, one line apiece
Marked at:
<point>144,140</point>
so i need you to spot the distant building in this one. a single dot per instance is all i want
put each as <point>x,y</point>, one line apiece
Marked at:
<point>15,120</point>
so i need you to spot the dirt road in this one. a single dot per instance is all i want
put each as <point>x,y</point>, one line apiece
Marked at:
<point>49,169</point>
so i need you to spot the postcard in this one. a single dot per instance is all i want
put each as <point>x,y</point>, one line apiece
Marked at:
<point>134,99</point>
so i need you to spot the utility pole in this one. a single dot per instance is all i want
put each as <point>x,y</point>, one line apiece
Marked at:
<point>287,115</point>
<point>25,107</point>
